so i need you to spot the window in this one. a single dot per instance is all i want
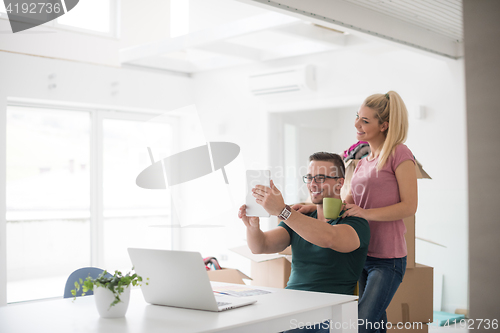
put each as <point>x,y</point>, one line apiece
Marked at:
<point>92,15</point>
<point>71,195</point>
<point>133,216</point>
<point>48,199</point>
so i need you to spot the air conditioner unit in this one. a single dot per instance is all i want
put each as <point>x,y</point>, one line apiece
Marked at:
<point>283,80</point>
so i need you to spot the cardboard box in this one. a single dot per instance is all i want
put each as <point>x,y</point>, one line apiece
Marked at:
<point>268,270</point>
<point>227,275</point>
<point>413,300</point>
<point>421,174</point>
<point>271,273</point>
<point>410,241</point>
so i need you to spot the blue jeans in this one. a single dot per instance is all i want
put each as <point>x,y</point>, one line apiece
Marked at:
<point>378,283</point>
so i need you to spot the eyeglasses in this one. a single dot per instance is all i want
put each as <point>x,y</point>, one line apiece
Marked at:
<point>318,178</point>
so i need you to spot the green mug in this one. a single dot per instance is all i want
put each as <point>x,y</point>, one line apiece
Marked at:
<point>332,208</point>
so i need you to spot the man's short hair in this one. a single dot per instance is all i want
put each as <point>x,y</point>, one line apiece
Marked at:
<point>330,157</point>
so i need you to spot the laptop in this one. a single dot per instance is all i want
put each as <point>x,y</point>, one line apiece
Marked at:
<point>179,279</point>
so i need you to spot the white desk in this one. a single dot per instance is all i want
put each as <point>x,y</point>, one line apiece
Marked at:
<point>272,313</point>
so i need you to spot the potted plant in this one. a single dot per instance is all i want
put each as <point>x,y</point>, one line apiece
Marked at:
<point>112,293</point>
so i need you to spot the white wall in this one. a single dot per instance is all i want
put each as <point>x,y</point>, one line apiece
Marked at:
<point>139,22</point>
<point>143,21</point>
<point>206,14</point>
<point>27,77</point>
<point>316,130</point>
<point>438,141</point>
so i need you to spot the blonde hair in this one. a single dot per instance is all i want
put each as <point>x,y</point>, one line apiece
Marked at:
<point>389,108</point>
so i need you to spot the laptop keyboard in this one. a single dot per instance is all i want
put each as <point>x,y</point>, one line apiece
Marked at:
<point>222,303</point>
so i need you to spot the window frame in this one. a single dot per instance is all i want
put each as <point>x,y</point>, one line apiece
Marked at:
<point>97,115</point>
<point>114,14</point>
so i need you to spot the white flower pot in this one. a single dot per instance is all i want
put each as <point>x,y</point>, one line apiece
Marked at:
<point>103,299</point>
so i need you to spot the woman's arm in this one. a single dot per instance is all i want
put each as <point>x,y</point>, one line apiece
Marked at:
<point>348,199</point>
<point>407,183</point>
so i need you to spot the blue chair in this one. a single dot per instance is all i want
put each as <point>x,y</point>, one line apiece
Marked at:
<point>81,273</point>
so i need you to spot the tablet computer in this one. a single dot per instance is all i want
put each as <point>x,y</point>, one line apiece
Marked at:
<point>254,178</point>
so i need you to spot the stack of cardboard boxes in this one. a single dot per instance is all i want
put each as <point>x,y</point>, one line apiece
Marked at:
<point>412,304</point>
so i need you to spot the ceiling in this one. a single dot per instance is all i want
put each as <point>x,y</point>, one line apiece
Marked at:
<point>289,28</point>
<point>440,16</point>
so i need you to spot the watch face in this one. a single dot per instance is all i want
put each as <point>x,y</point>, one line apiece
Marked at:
<point>285,213</point>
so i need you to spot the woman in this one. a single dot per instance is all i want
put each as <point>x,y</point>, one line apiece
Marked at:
<point>383,191</point>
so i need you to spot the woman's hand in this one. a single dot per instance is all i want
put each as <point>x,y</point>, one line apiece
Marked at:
<point>249,221</point>
<point>270,198</point>
<point>354,210</point>
<point>304,208</point>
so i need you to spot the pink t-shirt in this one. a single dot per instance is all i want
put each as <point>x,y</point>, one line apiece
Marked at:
<point>374,189</point>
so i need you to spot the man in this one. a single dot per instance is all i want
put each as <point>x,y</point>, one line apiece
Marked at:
<point>327,255</point>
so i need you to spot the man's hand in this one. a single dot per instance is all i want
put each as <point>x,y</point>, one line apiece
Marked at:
<point>249,221</point>
<point>270,198</point>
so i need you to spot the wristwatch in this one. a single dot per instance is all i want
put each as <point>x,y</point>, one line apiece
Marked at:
<point>285,213</point>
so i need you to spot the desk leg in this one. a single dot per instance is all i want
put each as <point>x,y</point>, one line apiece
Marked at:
<point>345,318</point>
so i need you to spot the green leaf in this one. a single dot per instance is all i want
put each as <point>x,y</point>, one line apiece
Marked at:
<point>116,283</point>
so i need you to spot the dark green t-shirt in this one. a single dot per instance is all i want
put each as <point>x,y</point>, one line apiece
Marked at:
<point>321,269</point>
